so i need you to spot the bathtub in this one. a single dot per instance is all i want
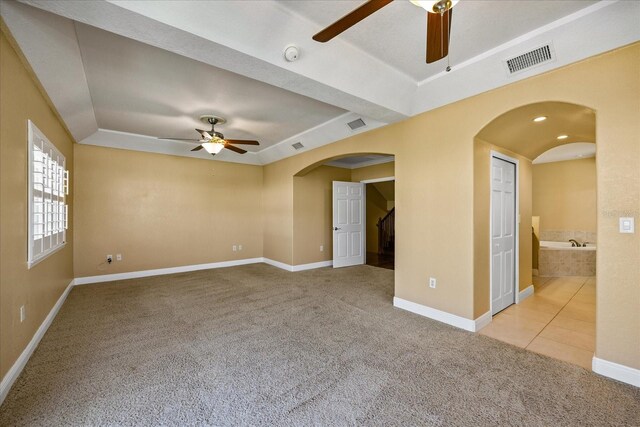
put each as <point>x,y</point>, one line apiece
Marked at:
<point>558,259</point>
<point>545,244</point>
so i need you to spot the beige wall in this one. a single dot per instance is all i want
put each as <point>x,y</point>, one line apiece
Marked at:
<point>434,170</point>
<point>39,288</point>
<point>481,238</point>
<point>313,213</point>
<point>564,195</point>
<point>162,211</point>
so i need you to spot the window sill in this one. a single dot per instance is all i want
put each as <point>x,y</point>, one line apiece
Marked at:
<point>31,264</point>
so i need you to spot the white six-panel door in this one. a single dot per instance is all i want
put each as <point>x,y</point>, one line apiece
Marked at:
<point>503,234</point>
<point>348,223</point>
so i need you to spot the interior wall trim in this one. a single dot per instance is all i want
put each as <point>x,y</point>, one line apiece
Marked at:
<point>524,294</point>
<point>162,271</point>
<point>13,373</point>
<point>186,268</point>
<point>443,316</point>
<point>616,371</point>
<point>299,267</point>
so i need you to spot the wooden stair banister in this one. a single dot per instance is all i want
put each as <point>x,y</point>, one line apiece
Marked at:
<point>386,232</point>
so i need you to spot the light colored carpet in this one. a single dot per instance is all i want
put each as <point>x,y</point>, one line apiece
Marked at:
<point>255,345</point>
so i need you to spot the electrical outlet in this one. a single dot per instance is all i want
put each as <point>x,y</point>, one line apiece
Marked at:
<point>118,257</point>
<point>23,313</point>
<point>432,282</point>
<point>239,247</point>
<point>109,259</point>
<point>321,248</point>
<point>235,248</point>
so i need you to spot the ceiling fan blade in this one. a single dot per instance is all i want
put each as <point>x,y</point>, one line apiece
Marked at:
<point>438,31</point>
<point>198,148</point>
<point>242,141</point>
<point>350,20</point>
<point>236,149</point>
<point>181,139</point>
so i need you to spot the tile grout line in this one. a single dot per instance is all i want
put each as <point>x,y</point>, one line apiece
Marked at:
<point>556,315</point>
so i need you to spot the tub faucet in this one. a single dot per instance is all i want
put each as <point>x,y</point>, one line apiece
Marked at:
<point>574,243</point>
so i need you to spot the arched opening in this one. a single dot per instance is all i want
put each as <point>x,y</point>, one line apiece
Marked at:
<point>535,178</point>
<point>318,239</point>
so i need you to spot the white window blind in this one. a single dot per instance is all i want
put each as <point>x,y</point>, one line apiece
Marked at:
<point>48,186</point>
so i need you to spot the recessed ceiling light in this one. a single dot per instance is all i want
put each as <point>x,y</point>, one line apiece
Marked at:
<point>563,136</point>
<point>540,119</point>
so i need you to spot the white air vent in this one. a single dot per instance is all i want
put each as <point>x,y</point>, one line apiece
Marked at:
<point>530,59</point>
<point>297,145</point>
<point>356,124</point>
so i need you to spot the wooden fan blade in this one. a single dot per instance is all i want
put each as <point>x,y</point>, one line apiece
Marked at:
<point>198,148</point>
<point>242,141</point>
<point>350,20</point>
<point>236,149</point>
<point>438,31</point>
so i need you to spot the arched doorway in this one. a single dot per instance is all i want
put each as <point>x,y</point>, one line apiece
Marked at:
<point>314,234</point>
<point>527,310</point>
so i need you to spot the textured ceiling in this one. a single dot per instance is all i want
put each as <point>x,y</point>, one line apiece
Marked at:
<point>141,89</point>
<point>396,34</point>
<point>516,131</point>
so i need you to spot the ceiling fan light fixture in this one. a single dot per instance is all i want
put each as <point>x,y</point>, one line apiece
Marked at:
<point>435,6</point>
<point>213,147</point>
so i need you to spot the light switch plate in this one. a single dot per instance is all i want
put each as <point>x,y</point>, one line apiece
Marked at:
<point>627,225</point>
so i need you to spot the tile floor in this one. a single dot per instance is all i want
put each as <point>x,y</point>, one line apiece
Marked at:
<point>558,320</point>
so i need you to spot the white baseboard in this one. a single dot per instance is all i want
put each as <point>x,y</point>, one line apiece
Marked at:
<point>162,271</point>
<point>483,321</point>
<point>300,267</point>
<point>186,268</point>
<point>616,371</point>
<point>13,373</point>
<point>278,264</point>
<point>443,316</point>
<point>312,265</point>
<point>525,293</point>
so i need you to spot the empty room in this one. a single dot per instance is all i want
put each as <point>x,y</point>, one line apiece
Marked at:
<point>316,212</point>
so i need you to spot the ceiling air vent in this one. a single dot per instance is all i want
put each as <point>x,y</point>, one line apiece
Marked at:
<point>356,124</point>
<point>531,59</point>
<point>297,145</point>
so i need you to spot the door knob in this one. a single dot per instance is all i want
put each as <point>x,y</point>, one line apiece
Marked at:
<point>336,228</point>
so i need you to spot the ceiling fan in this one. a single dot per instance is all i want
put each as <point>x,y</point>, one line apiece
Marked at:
<point>438,24</point>
<point>213,141</point>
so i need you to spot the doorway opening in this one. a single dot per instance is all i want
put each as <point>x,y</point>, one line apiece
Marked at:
<point>380,222</point>
<point>314,234</point>
<point>537,298</point>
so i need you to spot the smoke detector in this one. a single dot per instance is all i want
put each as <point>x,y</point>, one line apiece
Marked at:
<point>291,53</point>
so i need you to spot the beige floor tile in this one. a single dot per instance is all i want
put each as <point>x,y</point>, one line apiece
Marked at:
<point>528,313</point>
<point>585,341</point>
<point>585,298</point>
<point>574,325</point>
<point>558,320</point>
<point>568,353</point>
<point>548,305</point>
<point>518,322</point>
<point>577,312</point>
<point>516,335</point>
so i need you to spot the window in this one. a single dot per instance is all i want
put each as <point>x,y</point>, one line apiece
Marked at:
<point>48,186</point>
